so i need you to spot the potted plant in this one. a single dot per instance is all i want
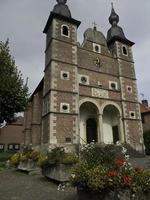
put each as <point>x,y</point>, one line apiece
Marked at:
<point>26,160</point>
<point>104,172</point>
<point>57,164</point>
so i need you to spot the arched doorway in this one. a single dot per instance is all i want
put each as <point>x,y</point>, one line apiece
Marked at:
<point>91,130</point>
<point>111,124</point>
<point>88,123</point>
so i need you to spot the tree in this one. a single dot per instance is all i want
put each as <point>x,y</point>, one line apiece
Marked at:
<point>13,92</point>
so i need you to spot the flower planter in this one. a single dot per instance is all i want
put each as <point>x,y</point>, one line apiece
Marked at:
<point>59,173</point>
<point>114,195</point>
<point>28,165</point>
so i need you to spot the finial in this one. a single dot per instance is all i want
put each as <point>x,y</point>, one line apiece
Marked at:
<point>114,18</point>
<point>61,1</point>
<point>112,5</point>
<point>94,23</point>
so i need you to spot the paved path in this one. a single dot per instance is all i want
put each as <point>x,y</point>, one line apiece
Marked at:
<point>16,185</point>
<point>141,162</point>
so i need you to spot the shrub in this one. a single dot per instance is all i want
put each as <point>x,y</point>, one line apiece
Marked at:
<point>58,156</point>
<point>147,142</point>
<point>107,168</point>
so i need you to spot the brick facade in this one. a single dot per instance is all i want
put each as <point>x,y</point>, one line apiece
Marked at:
<point>83,85</point>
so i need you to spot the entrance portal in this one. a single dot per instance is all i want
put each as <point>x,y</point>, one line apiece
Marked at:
<point>91,130</point>
<point>111,124</point>
<point>88,123</point>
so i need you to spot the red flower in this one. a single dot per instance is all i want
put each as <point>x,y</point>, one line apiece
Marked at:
<point>120,162</point>
<point>127,180</point>
<point>112,173</point>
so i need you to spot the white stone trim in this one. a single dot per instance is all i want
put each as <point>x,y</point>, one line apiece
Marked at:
<point>83,76</point>
<point>63,110</point>
<point>99,48</point>
<point>52,138</point>
<point>65,72</point>
<point>113,82</point>
<point>65,25</point>
<point>123,46</point>
<point>111,103</point>
<point>131,113</point>
<point>131,89</point>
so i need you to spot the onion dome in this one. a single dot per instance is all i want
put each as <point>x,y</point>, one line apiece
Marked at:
<point>115,33</point>
<point>62,9</point>
<point>115,30</point>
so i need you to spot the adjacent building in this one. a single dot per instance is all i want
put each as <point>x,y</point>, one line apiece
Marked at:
<point>145,115</point>
<point>89,90</point>
<point>12,135</point>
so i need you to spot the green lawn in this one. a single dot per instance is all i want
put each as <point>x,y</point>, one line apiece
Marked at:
<point>4,156</point>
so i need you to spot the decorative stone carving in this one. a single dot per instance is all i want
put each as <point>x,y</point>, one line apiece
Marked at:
<point>100,93</point>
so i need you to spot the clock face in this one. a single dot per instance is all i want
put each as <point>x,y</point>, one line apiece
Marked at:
<point>62,1</point>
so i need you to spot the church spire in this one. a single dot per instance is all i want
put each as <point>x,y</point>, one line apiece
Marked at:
<point>115,33</point>
<point>114,18</point>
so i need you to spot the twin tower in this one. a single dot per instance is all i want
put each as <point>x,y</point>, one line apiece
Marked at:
<point>89,91</point>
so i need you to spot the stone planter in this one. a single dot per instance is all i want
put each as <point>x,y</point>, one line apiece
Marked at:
<point>28,166</point>
<point>59,173</point>
<point>114,195</point>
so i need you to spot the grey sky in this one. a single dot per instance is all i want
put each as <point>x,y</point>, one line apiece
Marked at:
<point>22,21</point>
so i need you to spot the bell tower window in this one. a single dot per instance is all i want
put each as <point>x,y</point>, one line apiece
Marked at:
<point>124,51</point>
<point>65,31</point>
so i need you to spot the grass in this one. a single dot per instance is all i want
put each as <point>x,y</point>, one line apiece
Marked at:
<point>4,156</point>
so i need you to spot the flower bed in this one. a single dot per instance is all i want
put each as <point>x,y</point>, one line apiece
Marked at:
<point>27,160</point>
<point>57,164</point>
<point>106,171</point>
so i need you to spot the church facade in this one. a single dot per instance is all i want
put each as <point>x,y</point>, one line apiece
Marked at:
<point>89,91</point>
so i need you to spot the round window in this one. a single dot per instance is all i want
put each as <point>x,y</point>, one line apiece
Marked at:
<point>132,114</point>
<point>65,75</point>
<point>113,86</point>
<point>83,79</point>
<point>129,89</point>
<point>65,107</point>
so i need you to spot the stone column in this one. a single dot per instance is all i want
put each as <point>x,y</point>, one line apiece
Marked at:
<point>100,134</point>
<point>122,136</point>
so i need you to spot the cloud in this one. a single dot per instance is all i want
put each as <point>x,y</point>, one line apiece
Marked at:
<point>23,22</point>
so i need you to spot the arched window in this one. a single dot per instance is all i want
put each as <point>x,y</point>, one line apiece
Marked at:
<point>124,50</point>
<point>65,30</point>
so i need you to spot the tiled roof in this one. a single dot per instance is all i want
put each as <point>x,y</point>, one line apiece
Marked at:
<point>144,109</point>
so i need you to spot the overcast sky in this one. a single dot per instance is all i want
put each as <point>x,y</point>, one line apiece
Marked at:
<point>23,21</point>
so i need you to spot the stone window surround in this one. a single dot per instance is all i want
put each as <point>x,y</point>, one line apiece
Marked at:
<point>83,76</point>
<point>131,114</point>
<point>123,46</point>
<point>99,48</point>
<point>62,30</point>
<point>129,89</point>
<point>65,72</point>
<point>100,84</point>
<point>113,82</point>
<point>63,110</point>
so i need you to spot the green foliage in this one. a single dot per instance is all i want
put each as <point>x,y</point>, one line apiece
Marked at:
<point>147,142</point>
<point>13,92</point>
<point>4,156</point>
<point>107,168</point>
<point>96,154</point>
<point>58,156</point>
